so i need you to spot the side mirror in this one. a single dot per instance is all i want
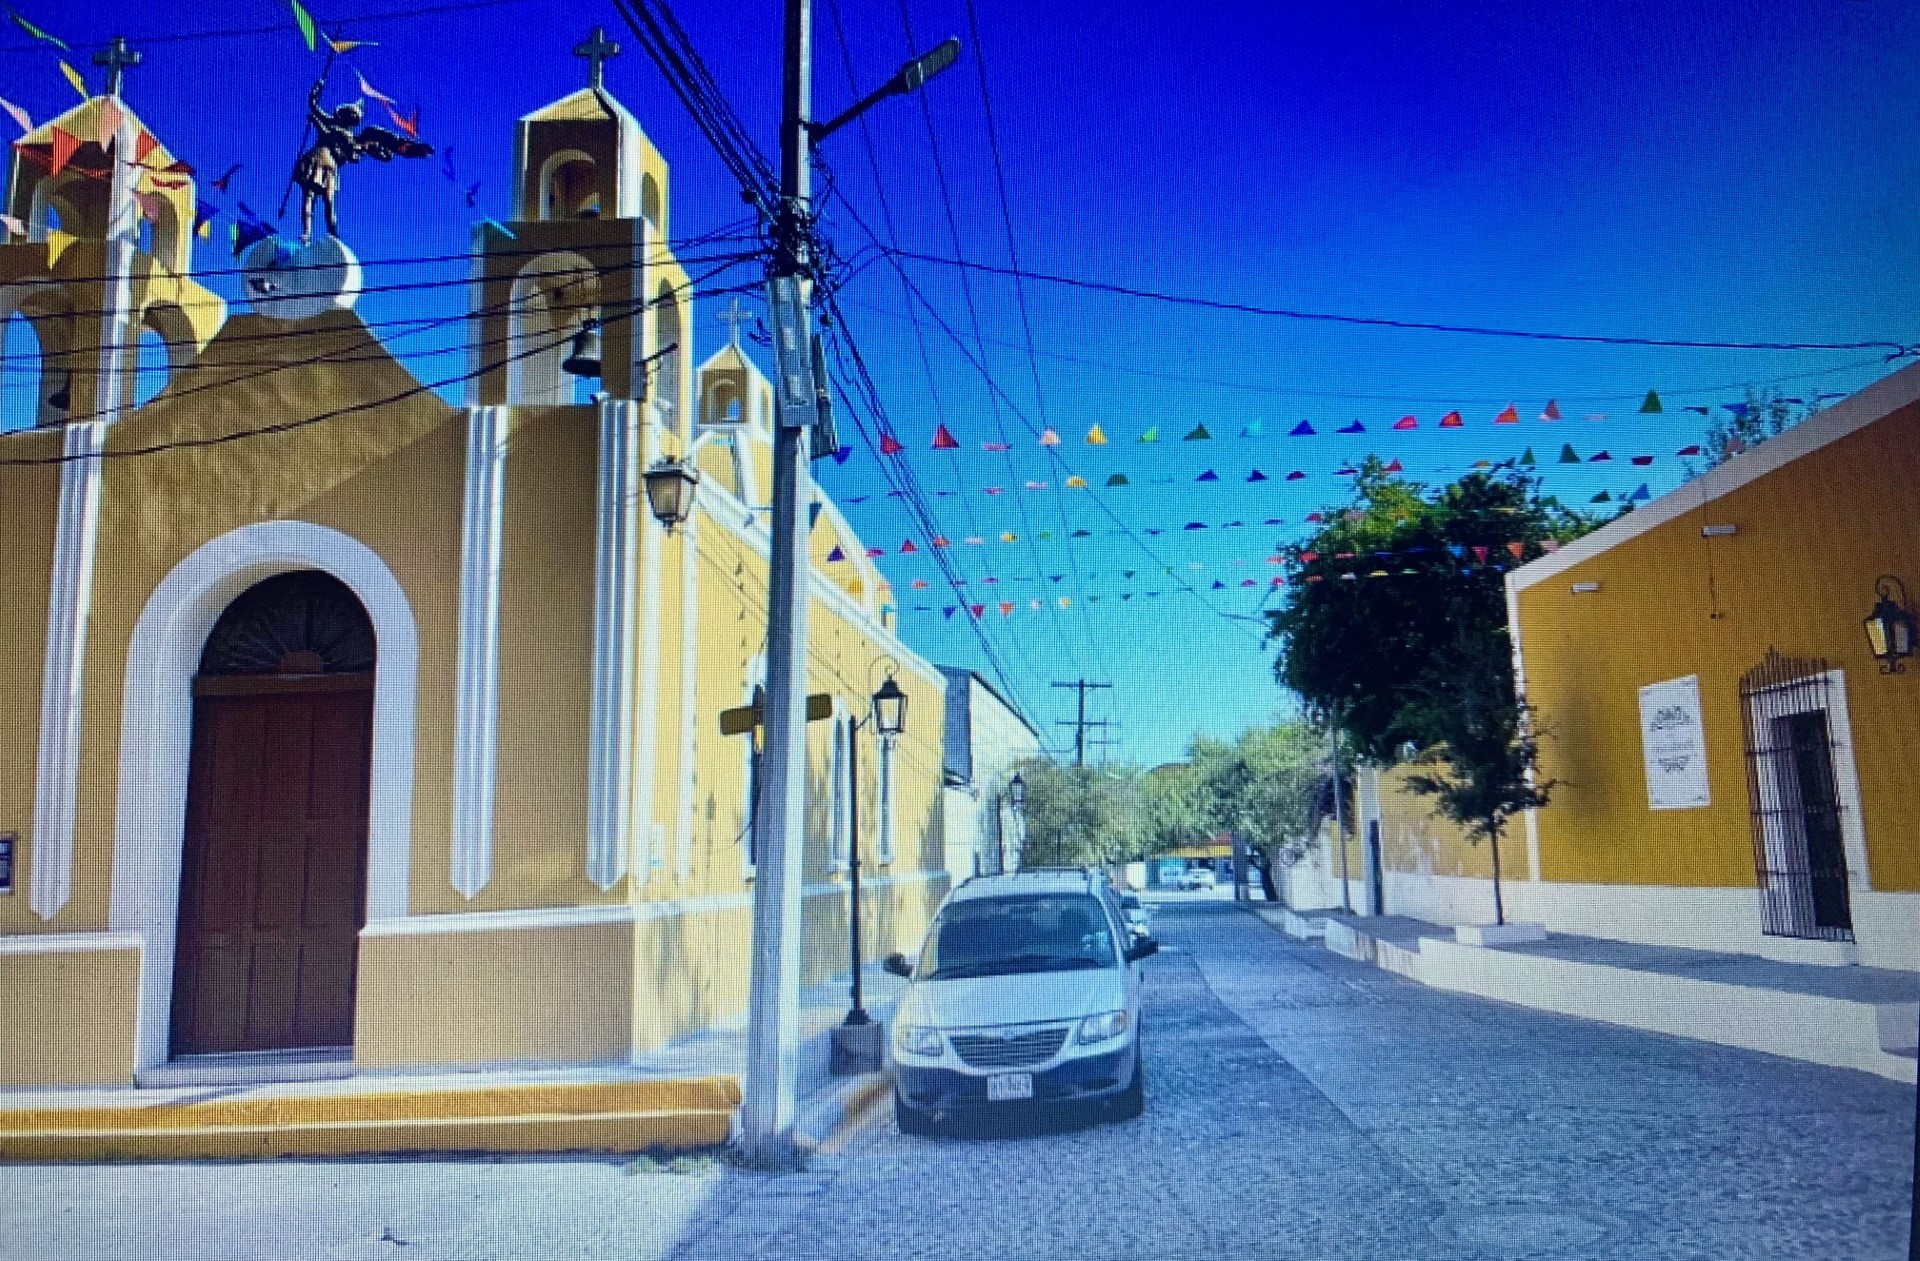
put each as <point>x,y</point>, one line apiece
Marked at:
<point>897,964</point>
<point>1142,947</point>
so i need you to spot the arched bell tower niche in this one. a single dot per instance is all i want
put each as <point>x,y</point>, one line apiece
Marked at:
<point>586,252</point>
<point>103,262</point>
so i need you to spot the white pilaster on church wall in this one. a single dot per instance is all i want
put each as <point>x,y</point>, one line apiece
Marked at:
<point>118,332</point>
<point>611,740</point>
<point>477,699</point>
<point>689,674</point>
<point>69,608</point>
<point>647,741</point>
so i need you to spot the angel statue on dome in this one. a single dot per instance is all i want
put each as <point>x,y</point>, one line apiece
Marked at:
<point>341,139</point>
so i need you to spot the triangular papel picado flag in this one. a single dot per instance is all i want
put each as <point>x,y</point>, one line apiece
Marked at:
<point>1048,438</point>
<point>1395,467</point>
<point>1252,429</point>
<point>1076,482</point>
<point>1301,430</point>
<point>1208,476</point>
<point>890,445</point>
<point>836,555</point>
<point>1406,422</point>
<point>1355,427</point>
<point>1296,476</point>
<point>908,549</point>
<point>1516,549</point>
<point>1151,435</point>
<point>65,145</point>
<point>1117,479</point>
<point>876,551</point>
<point>1452,420</point>
<point>842,453</point>
<point>1526,458</point>
<point>1197,434</point>
<point>1568,455</point>
<point>1551,411</point>
<point>1642,493</point>
<point>944,441</point>
<point>1511,416</point>
<point>1641,461</point>
<point>1688,450</point>
<point>1601,498</point>
<point>1600,457</point>
<point>1256,476</point>
<point>1096,437</point>
<point>1652,402</point>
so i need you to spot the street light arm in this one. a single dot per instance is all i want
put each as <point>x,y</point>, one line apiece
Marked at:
<point>912,77</point>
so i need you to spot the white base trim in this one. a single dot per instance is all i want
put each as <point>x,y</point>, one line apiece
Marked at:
<point>69,943</point>
<point>1511,933</point>
<point>1886,925</point>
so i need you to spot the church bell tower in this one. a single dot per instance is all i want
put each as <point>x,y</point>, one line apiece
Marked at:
<point>99,234</point>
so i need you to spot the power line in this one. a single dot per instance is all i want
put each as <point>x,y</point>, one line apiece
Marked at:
<point>331,414</point>
<point>1080,722</point>
<point>1895,349</point>
<point>335,26</point>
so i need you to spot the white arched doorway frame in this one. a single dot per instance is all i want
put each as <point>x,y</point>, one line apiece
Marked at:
<point>156,736</point>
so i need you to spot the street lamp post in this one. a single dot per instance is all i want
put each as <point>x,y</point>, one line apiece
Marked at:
<point>856,1043</point>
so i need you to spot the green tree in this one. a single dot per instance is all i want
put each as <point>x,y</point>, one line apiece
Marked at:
<point>1077,815</point>
<point>1761,416</point>
<point>1261,787</point>
<point>1395,630</point>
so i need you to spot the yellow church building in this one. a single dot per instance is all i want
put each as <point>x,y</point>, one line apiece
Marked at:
<point>1736,759</point>
<point>349,724</point>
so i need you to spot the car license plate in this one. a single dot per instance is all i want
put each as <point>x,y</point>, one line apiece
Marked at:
<point>1009,1086</point>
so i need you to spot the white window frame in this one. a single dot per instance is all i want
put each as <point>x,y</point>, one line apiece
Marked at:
<point>840,790</point>
<point>884,851</point>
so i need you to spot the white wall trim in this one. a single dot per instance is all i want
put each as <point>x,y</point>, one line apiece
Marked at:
<point>476,723</point>
<point>69,612</point>
<point>1530,816</point>
<point>647,738</point>
<point>1856,412</point>
<point>69,943</point>
<point>156,733</point>
<point>611,729</point>
<point>562,917</point>
<point>689,676</point>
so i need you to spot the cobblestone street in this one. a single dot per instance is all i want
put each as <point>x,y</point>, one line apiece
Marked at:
<point>1299,1105</point>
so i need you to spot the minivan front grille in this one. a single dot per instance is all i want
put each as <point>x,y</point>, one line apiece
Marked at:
<point>1009,1048</point>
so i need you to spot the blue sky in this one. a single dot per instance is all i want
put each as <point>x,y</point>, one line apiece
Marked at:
<point>1677,170</point>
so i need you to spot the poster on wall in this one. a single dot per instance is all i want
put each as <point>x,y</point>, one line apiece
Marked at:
<point>1674,743</point>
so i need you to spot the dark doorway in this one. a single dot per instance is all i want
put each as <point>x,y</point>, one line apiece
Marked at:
<point>273,877</point>
<point>1816,803</point>
<point>1378,894</point>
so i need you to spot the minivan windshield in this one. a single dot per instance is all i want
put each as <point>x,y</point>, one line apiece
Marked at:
<point>1057,932</point>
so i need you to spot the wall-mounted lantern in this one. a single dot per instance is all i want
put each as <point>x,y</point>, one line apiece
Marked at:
<point>670,489</point>
<point>890,709</point>
<point>1891,629</point>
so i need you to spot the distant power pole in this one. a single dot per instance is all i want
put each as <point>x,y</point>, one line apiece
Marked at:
<point>1080,722</point>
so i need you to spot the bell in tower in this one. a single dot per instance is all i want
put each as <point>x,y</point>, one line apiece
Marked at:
<point>580,284</point>
<point>99,250</point>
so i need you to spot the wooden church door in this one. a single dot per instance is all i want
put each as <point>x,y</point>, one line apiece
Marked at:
<point>273,877</point>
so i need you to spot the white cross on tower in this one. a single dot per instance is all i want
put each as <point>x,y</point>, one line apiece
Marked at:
<point>116,57</point>
<point>597,50</point>
<point>734,316</point>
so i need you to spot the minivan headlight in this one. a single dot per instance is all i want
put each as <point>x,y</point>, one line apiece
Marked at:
<point>918,1040</point>
<point>1103,1028</point>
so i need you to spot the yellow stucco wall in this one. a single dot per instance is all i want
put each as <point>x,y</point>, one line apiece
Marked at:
<point>1415,837</point>
<point>29,496</point>
<point>70,1017</point>
<point>1798,576</point>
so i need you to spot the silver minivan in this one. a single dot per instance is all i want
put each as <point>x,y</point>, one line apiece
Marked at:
<point>1026,993</point>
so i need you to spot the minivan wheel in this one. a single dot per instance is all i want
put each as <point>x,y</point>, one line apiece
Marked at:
<point>1132,1101</point>
<point>910,1119</point>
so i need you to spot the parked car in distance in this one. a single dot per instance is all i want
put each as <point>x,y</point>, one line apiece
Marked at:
<point>1136,912</point>
<point>1026,992</point>
<point>1197,878</point>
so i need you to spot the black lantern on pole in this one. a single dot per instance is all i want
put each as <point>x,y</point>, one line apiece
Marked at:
<point>670,489</point>
<point>890,709</point>
<point>1017,793</point>
<point>1891,629</point>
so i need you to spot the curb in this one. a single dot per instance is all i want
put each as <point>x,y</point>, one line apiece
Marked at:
<point>836,1109</point>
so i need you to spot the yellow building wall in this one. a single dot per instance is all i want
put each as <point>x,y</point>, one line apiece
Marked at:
<point>1798,576</point>
<point>69,1017</point>
<point>29,506</point>
<point>523,995</point>
<point>390,478</point>
<point>1416,837</point>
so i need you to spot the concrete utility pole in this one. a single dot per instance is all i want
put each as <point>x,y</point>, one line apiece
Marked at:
<point>1340,823</point>
<point>773,1017</point>
<point>1080,723</point>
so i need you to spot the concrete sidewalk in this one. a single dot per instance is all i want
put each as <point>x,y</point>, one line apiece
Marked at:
<point>684,1095</point>
<point>1846,1017</point>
